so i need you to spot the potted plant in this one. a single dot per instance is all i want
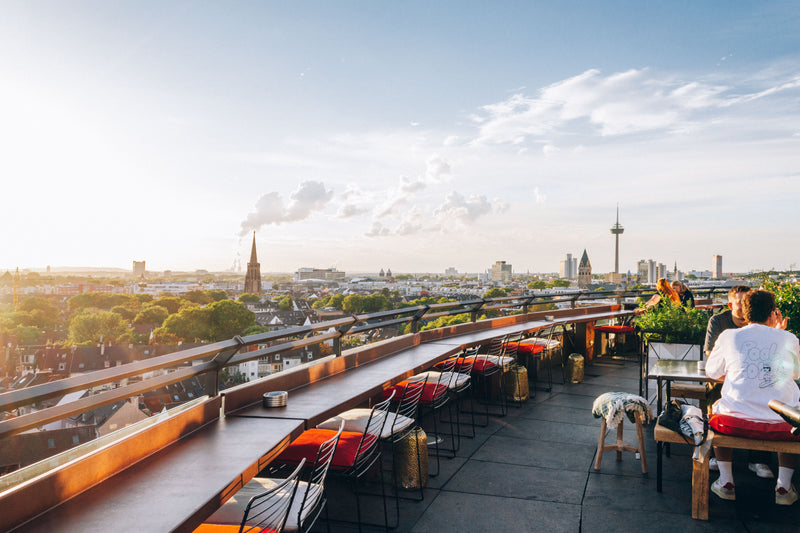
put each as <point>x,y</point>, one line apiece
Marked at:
<point>671,331</point>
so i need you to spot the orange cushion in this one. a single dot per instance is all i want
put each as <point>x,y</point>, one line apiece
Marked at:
<point>481,363</point>
<point>430,392</point>
<point>751,429</point>
<point>614,329</point>
<point>306,446</point>
<point>227,528</point>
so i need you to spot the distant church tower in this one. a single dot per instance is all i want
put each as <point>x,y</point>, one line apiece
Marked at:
<point>252,280</point>
<point>584,271</point>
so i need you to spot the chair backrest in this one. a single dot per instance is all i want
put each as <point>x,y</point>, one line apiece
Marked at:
<point>268,511</point>
<point>496,346</point>
<point>409,401</point>
<point>446,374</point>
<point>511,345</point>
<point>468,359</point>
<point>314,495</point>
<point>368,448</point>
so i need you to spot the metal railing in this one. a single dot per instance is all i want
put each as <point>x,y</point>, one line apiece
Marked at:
<point>206,362</point>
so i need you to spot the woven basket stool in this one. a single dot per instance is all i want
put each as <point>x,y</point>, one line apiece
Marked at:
<point>611,407</point>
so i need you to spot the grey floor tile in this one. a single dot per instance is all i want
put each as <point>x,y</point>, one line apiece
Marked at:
<point>518,482</point>
<point>527,428</point>
<point>561,456</point>
<point>558,413</point>
<point>472,513</point>
<point>603,520</point>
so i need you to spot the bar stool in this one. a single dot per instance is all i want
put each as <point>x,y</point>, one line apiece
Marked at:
<point>619,333</point>
<point>612,407</point>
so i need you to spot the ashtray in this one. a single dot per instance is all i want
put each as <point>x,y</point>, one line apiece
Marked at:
<point>549,318</point>
<point>275,398</point>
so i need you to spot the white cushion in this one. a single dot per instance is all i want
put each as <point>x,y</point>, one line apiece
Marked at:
<point>356,420</point>
<point>454,379</point>
<point>500,361</point>
<point>233,510</point>
<point>548,343</point>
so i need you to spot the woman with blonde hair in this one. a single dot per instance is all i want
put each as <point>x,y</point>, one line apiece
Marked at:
<point>685,295</point>
<point>665,293</point>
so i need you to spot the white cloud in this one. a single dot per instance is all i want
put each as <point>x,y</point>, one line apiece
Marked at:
<point>622,103</point>
<point>550,149</point>
<point>310,196</point>
<point>456,206</point>
<point>378,230</point>
<point>410,185</point>
<point>437,169</point>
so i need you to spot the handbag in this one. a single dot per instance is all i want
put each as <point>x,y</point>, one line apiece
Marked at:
<point>670,418</point>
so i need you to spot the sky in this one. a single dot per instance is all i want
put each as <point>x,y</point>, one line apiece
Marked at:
<point>412,135</point>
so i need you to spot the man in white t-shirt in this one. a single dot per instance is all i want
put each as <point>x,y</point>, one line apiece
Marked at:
<point>760,362</point>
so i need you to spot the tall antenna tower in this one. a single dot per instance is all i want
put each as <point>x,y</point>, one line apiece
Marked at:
<point>616,231</point>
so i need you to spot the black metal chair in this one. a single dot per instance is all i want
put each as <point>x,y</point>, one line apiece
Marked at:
<point>368,454</point>
<point>400,422</point>
<point>303,509</point>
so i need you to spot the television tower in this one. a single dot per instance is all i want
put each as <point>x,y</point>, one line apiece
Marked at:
<point>616,230</point>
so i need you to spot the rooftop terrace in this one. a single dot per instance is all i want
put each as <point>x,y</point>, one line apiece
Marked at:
<point>533,471</point>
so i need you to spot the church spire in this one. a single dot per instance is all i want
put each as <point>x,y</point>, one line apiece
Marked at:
<point>252,280</point>
<point>253,258</point>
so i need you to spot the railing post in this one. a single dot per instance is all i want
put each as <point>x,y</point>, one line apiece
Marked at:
<point>416,318</point>
<point>342,330</point>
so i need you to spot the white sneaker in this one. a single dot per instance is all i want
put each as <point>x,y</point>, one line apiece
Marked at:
<point>713,465</point>
<point>728,492</point>
<point>785,497</point>
<point>761,470</point>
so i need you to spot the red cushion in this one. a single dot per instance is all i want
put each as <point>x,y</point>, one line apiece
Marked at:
<point>527,347</point>
<point>307,445</point>
<point>431,391</point>
<point>614,329</point>
<point>481,364</point>
<point>751,429</point>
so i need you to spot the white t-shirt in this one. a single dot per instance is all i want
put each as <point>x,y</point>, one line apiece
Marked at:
<point>759,364</point>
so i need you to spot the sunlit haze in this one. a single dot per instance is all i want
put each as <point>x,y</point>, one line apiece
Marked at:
<point>414,136</point>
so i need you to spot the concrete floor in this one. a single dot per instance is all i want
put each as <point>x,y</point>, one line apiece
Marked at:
<point>532,470</point>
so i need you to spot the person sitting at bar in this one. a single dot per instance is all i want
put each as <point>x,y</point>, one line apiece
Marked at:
<point>665,293</point>
<point>685,295</point>
<point>759,362</point>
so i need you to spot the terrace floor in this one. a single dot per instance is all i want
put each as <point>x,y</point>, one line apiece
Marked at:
<point>533,471</point>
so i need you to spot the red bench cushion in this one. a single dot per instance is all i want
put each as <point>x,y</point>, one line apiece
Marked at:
<point>308,443</point>
<point>751,429</point>
<point>614,329</point>
<point>431,391</point>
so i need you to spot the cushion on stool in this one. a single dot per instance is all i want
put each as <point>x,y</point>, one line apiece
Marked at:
<point>355,420</point>
<point>613,405</point>
<point>308,443</point>
<point>430,391</point>
<point>751,429</point>
<point>614,329</point>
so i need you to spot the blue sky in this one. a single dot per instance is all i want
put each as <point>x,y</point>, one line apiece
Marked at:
<point>407,135</point>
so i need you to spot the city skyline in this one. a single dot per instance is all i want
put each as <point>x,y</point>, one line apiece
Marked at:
<point>412,136</point>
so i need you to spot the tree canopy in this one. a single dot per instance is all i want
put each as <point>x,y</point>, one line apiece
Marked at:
<point>91,325</point>
<point>218,321</point>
